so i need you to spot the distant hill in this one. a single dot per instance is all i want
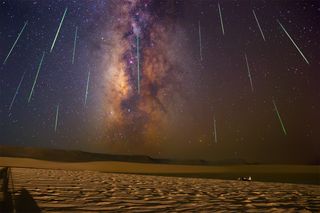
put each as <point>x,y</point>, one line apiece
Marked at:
<point>80,156</point>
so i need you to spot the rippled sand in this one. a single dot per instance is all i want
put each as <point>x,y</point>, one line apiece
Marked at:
<point>80,191</point>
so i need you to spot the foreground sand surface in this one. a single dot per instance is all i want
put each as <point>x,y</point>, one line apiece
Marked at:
<point>79,191</point>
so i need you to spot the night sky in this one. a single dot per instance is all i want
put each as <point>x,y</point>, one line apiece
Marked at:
<point>165,78</point>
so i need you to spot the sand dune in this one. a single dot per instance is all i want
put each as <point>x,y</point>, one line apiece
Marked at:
<point>81,191</point>
<point>86,187</point>
<point>273,173</point>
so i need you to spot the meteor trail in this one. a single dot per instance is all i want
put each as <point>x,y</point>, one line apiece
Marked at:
<point>221,20</point>
<point>57,117</point>
<point>282,125</point>
<point>17,91</point>
<point>14,44</point>
<point>35,79</point>
<point>200,40</point>
<point>57,33</point>
<point>87,89</point>
<point>74,44</point>
<point>249,73</point>
<point>259,25</point>
<point>293,41</point>
<point>138,63</point>
<point>215,130</point>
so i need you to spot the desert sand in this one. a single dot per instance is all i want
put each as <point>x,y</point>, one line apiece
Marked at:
<point>80,191</point>
<point>98,186</point>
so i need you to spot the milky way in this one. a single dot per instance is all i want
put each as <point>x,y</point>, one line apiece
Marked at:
<point>140,114</point>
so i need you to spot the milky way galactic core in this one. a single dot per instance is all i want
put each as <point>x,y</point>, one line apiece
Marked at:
<point>142,73</point>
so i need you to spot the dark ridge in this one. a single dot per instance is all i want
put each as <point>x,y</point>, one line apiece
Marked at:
<point>67,155</point>
<point>81,156</point>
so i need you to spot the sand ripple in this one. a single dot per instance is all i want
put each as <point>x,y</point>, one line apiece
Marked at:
<point>81,191</point>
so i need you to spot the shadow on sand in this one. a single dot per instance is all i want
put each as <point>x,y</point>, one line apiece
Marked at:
<point>24,202</point>
<point>5,195</point>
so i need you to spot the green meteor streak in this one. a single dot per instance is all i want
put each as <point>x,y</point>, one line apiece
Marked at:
<point>14,44</point>
<point>215,130</point>
<point>282,125</point>
<point>57,117</point>
<point>138,63</point>
<point>255,16</point>
<point>36,78</point>
<point>221,20</point>
<point>56,36</point>
<point>17,91</point>
<point>249,73</point>
<point>74,44</point>
<point>200,40</point>
<point>87,89</point>
<point>294,43</point>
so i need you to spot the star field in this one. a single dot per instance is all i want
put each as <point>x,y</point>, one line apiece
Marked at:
<point>167,78</point>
